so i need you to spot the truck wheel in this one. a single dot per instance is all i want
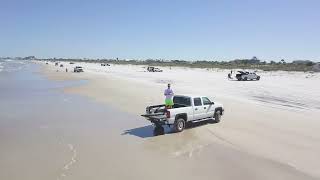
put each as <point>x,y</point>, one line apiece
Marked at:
<point>217,116</point>
<point>179,125</point>
<point>258,78</point>
<point>245,78</point>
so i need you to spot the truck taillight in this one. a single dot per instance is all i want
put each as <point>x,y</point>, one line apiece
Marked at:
<point>168,114</point>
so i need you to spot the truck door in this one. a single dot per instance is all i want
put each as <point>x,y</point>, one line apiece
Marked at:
<point>197,108</point>
<point>208,107</point>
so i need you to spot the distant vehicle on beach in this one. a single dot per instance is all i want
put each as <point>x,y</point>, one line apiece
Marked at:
<point>71,63</point>
<point>78,69</point>
<point>105,64</point>
<point>244,76</point>
<point>56,64</point>
<point>186,108</point>
<point>153,69</point>
<point>61,65</point>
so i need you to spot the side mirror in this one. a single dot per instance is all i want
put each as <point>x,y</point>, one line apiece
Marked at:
<point>211,103</point>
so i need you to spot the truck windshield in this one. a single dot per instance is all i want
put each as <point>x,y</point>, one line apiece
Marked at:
<point>206,101</point>
<point>185,101</point>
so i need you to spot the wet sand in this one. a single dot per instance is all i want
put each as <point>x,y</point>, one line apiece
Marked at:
<point>50,132</point>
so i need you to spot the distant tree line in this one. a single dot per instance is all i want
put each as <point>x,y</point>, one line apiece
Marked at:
<point>253,63</point>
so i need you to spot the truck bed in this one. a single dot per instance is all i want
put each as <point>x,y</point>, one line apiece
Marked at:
<point>156,113</point>
<point>160,109</point>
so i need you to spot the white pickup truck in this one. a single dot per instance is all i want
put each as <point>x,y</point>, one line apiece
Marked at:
<point>186,108</point>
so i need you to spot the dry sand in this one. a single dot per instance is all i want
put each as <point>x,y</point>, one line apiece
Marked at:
<point>270,129</point>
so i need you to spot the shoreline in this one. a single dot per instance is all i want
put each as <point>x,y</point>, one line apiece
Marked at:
<point>264,131</point>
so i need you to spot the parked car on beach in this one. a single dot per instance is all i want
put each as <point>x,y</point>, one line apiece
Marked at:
<point>244,76</point>
<point>153,69</point>
<point>105,64</point>
<point>78,69</point>
<point>186,108</point>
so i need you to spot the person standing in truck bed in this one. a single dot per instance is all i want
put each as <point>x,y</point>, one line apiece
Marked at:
<point>168,100</point>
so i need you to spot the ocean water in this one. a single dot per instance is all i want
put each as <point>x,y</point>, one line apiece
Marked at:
<point>9,65</point>
<point>1,67</point>
<point>45,133</point>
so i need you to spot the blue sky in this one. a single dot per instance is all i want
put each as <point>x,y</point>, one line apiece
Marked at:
<point>169,29</point>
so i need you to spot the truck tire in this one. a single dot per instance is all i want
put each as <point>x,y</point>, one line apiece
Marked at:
<point>245,78</point>
<point>179,125</point>
<point>258,78</point>
<point>217,116</point>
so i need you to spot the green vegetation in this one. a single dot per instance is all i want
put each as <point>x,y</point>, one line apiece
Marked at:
<point>254,63</point>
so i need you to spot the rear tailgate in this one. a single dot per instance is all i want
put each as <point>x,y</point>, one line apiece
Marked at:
<point>157,118</point>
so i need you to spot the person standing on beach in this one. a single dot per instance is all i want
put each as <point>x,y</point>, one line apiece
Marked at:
<point>168,93</point>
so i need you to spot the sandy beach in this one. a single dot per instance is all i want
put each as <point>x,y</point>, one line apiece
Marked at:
<point>88,125</point>
<point>269,130</point>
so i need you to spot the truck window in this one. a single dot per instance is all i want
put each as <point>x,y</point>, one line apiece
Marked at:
<point>180,100</point>
<point>197,102</point>
<point>206,101</point>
